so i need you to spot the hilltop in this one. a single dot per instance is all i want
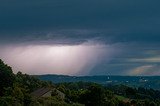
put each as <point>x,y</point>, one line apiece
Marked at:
<point>133,81</point>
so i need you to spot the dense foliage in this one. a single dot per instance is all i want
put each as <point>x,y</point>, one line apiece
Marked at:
<point>6,77</point>
<point>15,90</point>
<point>92,94</point>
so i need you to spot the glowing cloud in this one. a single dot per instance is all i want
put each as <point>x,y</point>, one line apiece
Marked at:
<point>145,70</point>
<point>56,59</point>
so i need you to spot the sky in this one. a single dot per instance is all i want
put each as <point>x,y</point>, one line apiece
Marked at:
<point>81,37</point>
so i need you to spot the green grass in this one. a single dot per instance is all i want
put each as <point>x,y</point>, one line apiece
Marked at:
<point>122,98</point>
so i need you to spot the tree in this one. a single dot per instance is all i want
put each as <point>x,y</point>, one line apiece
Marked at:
<point>94,96</point>
<point>130,92</point>
<point>152,104</point>
<point>6,77</point>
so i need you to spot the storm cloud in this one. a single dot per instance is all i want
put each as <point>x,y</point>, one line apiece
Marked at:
<point>123,36</point>
<point>58,59</point>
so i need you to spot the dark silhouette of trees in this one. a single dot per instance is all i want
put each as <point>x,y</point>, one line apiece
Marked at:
<point>6,77</point>
<point>94,96</point>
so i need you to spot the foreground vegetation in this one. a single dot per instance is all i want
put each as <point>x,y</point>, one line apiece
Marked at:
<point>92,94</point>
<point>15,90</point>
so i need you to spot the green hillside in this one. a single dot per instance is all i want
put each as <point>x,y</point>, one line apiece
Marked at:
<point>24,90</point>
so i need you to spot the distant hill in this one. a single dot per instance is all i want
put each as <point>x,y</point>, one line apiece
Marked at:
<point>134,81</point>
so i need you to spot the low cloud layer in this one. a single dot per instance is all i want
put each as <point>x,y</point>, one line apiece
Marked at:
<point>155,59</point>
<point>56,59</point>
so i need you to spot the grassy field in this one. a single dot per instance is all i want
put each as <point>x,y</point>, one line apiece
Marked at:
<point>122,98</point>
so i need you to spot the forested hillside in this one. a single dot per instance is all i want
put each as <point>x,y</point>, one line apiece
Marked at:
<point>16,90</point>
<point>133,81</point>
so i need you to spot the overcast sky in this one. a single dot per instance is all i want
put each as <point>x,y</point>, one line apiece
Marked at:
<point>81,37</point>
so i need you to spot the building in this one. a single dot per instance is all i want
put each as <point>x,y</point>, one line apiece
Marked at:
<point>47,92</point>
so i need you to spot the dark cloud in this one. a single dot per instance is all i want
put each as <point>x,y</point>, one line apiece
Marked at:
<point>125,20</point>
<point>133,25</point>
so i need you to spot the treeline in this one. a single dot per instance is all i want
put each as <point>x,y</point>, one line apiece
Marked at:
<point>15,90</point>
